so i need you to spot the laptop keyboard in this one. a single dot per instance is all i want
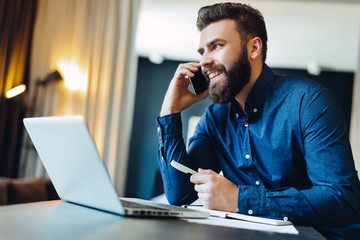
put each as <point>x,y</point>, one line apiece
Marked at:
<point>137,205</point>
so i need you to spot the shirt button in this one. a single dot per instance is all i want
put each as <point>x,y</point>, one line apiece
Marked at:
<point>246,124</point>
<point>250,212</point>
<point>255,110</point>
<point>247,156</point>
<point>237,115</point>
<point>257,183</point>
<point>286,219</point>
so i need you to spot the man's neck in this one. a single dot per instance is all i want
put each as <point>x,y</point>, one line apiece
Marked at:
<point>243,94</point>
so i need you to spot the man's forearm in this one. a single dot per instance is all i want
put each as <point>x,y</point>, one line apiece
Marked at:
<point>318,206</point>
<point>178,188</point>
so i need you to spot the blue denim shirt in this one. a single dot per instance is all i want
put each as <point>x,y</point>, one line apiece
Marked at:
<point>289,154</point>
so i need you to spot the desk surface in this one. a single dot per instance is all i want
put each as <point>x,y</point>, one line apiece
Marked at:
<point>62,220</point>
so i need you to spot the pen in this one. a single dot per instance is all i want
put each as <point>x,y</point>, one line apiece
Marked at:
<point>182,168</point>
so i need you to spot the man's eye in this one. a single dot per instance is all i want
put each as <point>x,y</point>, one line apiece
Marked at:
<point>216,46</point>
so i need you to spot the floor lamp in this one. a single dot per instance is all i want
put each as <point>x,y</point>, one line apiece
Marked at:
<point>31,112</point>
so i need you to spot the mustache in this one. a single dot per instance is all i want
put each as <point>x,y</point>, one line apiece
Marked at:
<point>218,67</point>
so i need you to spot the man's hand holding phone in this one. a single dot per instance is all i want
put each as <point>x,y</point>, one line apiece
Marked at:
<point>199,83</point>
<point>178,97</point>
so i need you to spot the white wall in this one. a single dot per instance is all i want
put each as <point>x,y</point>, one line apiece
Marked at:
<point>355,117</point>
<point>299,32</point>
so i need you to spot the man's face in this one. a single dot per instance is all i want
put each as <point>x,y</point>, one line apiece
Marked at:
<point>224,60</point>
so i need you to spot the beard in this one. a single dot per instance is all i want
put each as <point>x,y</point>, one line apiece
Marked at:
<point>238,76</point>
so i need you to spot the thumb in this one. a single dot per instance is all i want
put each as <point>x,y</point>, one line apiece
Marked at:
<point>203,95</point>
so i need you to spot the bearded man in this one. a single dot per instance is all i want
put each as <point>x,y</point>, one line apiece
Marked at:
<point>281,142</point>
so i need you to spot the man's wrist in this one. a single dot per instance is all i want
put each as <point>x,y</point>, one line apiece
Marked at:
<point>168,111</point>
<point>164,113</point>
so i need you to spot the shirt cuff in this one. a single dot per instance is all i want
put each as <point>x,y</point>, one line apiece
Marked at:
<point>252,201</point>
<point>169,126</point>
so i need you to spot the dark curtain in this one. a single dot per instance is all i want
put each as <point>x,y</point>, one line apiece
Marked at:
<point>16,27</point>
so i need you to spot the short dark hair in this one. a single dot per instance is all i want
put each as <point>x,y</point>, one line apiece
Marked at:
<point>250,22</point>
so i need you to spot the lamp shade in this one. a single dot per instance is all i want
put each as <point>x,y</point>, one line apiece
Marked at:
<point>52,77</point>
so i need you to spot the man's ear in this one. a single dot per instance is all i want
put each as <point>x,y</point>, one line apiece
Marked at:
<point>254,47</point>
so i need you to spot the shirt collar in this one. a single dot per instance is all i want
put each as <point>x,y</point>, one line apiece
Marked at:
<point>255,100</point>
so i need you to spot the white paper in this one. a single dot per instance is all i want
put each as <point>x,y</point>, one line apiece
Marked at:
<point>234,223</point>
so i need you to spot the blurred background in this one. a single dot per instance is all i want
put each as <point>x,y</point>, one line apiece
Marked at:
<point>112,60</point>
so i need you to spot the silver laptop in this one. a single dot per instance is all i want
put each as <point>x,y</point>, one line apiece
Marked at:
<point>71,159</point>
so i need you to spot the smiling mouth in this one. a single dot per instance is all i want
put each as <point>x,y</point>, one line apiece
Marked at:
<point>213,76</point>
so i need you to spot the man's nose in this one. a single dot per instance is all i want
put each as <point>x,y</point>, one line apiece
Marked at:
<point>206,60</point>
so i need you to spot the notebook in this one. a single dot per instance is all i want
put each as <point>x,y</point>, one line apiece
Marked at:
<point>71,159</point>
<point>243,217</point>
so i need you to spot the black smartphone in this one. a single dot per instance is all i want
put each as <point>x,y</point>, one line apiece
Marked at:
<point>199,82</point>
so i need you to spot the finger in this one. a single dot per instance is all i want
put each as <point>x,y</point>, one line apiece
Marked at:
<point>204,197</point>
<point>206,200</point>
<point>204,94</point>
<point>194,67</point>
<point>201,188</point>
<point>206,171</point>
<point>198,178</point>
<point>188,69</point>
<point>201,95</point>
<point>184,73</point>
